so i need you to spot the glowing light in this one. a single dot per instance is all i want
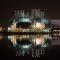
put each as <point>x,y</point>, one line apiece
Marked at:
<point>45,30</point>
<point>9,37</point>
<point>39,40</point>
<point>9,29</point>
<point>13,39</point>
<point>25,46</point>
<point>45,46</point>
<point>45,21</point>
<point>40,25</point>
<point>25,20</point>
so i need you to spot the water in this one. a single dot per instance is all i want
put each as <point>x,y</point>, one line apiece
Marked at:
<point>34,44</point>
<point>8,46</point>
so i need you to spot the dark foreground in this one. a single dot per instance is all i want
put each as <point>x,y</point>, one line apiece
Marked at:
<point>7,49</point>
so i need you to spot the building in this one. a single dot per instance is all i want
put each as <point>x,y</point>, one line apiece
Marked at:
<point>32,21</point>
<point>56,32</point>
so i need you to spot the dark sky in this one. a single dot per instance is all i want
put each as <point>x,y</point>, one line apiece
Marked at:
<point>7,7</point>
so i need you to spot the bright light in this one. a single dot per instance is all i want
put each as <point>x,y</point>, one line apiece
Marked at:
<point>9,28</point>
<point>40,25</point>
<point>45,46</point>
<point>9,37</point>
<point>25,46</point>
<point>39,40</point>
<point>25,20</point>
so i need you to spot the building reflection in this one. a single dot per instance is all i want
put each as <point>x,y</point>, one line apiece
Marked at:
<point>29,43</point>
<point>34,39</point>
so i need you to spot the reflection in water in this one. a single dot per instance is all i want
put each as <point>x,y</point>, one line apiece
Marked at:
<point>36,46</point>
<point>35,39</point>
<point>30,44</point>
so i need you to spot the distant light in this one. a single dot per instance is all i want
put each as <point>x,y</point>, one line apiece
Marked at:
<point>45,46</point>
<point>45,30</point>
<point>46,36</point>
<point>25,46</point>
<point>24,20</point>
<point>39,40</point>
<point>9,28</point>
<point>9,37</point>
<point>40,25</point>
<point>45,21</point>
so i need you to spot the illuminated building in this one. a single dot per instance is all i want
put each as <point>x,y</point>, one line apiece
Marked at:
<point>38,26</point>
<point>55,28</point>
<point>32,21</point>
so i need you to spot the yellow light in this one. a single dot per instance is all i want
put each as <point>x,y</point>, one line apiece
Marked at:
<point>13,39</point>
<point>40,25</point>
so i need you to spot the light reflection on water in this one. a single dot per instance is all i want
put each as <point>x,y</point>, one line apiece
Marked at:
<point>33,38</point>
<point>36,39</point>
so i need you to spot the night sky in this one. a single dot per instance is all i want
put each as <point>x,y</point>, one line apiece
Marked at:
<point>7,8</point>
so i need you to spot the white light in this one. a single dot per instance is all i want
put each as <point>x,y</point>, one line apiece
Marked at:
<point>45,46</point>
<point>38,25</point>
<point>25,46</point>
<point>9,37</point>
<point>9,28</point>
<point>25,20</point>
